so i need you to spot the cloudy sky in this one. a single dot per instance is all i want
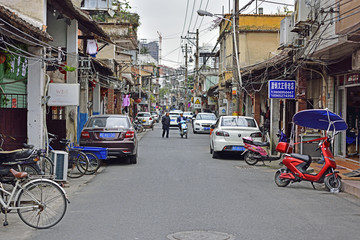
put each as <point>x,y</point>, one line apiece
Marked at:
<point>174,18</point>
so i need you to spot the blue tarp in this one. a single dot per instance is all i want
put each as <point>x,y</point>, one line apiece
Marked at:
<point>322,119</point>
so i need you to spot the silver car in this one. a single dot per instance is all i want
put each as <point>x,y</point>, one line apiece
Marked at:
<point>228,133</point>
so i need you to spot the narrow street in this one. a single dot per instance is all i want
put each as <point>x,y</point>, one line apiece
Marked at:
<point>177,187</point>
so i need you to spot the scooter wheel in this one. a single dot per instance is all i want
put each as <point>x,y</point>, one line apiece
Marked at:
<point>333,183</point>
<point>281,182</point>
<point>250,159</point>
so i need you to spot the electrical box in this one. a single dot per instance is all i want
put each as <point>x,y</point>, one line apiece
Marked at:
<point>60,159</point>
<point>286,36</point>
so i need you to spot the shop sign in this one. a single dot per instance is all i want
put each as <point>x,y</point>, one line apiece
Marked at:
<point>282,88</point>
<point>212,101</point>
<point>13,103</point>
<point>352,78</point>
<point>64,94</point>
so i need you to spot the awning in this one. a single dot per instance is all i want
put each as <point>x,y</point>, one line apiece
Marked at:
<point>128,78</point>
<point>102,67</point>
<point>86,23</point>
<point>213,90</point>
<point>10,22</point>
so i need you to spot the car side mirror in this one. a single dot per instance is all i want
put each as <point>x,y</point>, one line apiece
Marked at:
<point>212,126</point>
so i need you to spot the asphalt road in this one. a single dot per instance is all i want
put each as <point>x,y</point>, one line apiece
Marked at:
<point>177,188</point>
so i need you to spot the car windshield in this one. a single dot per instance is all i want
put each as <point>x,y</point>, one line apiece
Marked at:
<point>143,115</point>
<point>108,122</point>
<point>205,117</point>
<point>238,122</point>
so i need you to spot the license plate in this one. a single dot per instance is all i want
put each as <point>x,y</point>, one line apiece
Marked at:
<point>238,148</point>
<point>172,120</point>
<point>207,128</point>
<point>107,135</point>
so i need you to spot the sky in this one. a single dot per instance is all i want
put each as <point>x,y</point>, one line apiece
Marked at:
<point>173,19</point>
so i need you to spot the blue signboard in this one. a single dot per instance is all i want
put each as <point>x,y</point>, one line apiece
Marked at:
<point>282,88</point>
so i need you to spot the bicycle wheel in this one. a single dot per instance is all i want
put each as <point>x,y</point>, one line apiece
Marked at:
<point>94,163</point>
<point>78,164</point>
<point>46,165</point>
<point>42,204</point>
<point>31,169</point>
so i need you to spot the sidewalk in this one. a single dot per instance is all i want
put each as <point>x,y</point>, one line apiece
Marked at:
<point>351,185</point>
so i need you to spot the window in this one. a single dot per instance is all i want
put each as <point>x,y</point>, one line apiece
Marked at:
<point>238,122</point>
<point>108,122</point>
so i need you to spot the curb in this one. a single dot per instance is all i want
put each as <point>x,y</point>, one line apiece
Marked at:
<point>351,187</point>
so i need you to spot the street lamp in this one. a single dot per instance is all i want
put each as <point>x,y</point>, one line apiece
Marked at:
<point>235,42</point>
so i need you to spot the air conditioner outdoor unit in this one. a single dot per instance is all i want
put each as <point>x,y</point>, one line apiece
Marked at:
<point>302,12</point>
<point>102,5</point>
<point>60,159</point>
<point>286,36</point>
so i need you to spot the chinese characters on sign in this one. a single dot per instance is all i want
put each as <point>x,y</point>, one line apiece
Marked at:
<point>282,89</point>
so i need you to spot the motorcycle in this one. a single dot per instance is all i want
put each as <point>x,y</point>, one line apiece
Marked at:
<point>183,129</point>
<point>259,151</point>
<point>296,165</point>
<point>138,126</point>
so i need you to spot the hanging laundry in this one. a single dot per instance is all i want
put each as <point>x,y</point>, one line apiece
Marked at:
<point>126,101</point>
<point>92,47</point>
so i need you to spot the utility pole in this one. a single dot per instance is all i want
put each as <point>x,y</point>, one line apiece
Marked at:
<point>236,71</point>
<point>186,76</point>
<point>197,75</point>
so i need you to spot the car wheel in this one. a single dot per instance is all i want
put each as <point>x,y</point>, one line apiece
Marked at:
<point>133,159</point>
<point>215,154</point>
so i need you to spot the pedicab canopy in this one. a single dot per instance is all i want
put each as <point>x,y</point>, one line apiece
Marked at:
<point>322,119</point>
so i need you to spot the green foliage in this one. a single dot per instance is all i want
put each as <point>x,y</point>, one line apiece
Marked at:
<point>163,91</point>
<point>144,50</point>
<point>69,69</point>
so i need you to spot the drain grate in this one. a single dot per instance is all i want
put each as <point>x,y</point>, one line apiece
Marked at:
<point>200,235</point>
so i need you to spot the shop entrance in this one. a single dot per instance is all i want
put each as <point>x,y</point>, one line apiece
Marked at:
<point>353,121</point>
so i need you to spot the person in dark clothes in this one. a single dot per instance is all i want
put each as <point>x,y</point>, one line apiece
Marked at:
<point>165,124</point>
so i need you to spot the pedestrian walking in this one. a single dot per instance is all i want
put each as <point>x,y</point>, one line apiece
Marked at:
<point>165,124</point>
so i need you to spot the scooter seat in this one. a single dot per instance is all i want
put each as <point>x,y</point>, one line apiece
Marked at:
<point>261,144</point>
<point>15,155</point>
<point>305,158</point>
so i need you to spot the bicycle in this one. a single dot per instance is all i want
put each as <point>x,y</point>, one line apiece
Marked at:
<point>78,162</point>
<point>40,203</point>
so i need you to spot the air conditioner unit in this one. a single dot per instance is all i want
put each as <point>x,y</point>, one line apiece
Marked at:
<point>99,5</point>
<point>302,13</point>
<point>286,36</point>
<point>60,159</point>
<point>355,63</point>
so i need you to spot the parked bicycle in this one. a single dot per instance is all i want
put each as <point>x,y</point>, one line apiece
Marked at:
<point>40,203</point>
<point>79,162</point>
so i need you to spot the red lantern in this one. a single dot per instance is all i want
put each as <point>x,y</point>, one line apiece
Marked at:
<point>138,100</point>
<point>2,58</point>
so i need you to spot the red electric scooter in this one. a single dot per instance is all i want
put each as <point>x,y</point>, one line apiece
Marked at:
<point>296,165</point>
